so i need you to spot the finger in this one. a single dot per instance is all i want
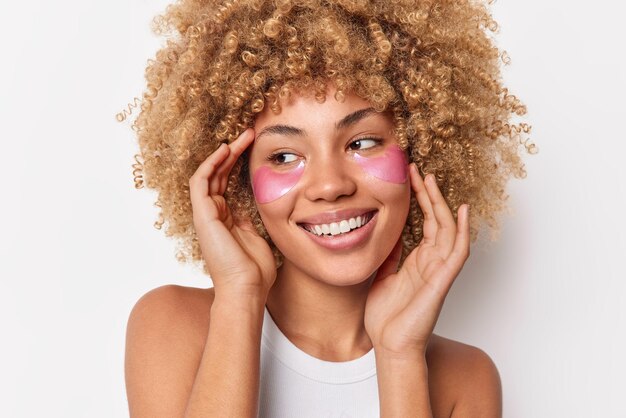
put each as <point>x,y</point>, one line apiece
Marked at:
<point>430,224</point>
<point>452,265</point>
<point>445,221</point>
<point>461,249</point>
<point>237,147</point>
<point>199,186</point>
<point>242,142</point>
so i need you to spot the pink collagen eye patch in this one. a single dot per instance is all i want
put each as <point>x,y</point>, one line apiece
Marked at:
<point>268,185</point>
<point>391,167</point>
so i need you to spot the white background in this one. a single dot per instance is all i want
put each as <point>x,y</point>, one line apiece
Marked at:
<point>78,248</point>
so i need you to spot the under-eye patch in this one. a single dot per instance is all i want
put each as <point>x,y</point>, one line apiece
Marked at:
<point>268,185</point>
<point>391,167</point>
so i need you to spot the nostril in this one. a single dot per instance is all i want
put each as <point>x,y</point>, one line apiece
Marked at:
<point>322,185</point>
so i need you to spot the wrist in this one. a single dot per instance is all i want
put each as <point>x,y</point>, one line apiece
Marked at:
<point>412,354</point>
<point>398,359</point>
<point>238,302</point>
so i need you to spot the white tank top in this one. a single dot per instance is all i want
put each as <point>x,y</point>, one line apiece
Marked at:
<point>295,384</point>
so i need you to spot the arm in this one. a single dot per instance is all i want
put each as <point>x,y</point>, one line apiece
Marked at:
<point>243,270</point>
<point>464,380</point>
<point>215,374</point>
<point>403,305</point>
<point>227,382</point>
<point>178,365</point>
<point>403,386</point>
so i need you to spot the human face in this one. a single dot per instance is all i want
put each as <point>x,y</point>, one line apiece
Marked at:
<point>321,163</point>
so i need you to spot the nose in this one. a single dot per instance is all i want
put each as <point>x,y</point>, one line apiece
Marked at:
<point>328,178</point>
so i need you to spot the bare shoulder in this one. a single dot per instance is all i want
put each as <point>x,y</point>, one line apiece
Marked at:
<point>463,380</point>
<point>165,338</point>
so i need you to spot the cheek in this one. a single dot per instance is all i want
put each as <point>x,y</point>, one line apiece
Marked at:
<point>391,167</point>
<point>275,215</point>
<point>268,185</point>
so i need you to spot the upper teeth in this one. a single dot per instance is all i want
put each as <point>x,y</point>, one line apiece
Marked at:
<point>336,228</point>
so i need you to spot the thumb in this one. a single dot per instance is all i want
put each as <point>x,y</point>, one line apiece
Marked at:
<point>390,265</point>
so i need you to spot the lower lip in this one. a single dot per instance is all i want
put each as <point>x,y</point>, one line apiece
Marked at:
<point>345,241</point>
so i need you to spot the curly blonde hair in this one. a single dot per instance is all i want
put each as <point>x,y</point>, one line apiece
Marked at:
<point>430,63</point>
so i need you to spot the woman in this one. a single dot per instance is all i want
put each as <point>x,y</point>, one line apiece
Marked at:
<point>288,141</point>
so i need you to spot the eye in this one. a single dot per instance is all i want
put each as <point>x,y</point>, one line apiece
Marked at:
<point>364,143</point>
<point>282,158</point>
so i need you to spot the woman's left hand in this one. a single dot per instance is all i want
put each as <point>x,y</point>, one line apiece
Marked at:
<point>402,307</point>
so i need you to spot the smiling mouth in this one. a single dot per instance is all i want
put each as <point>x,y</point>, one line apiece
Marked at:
<point>340,228</point>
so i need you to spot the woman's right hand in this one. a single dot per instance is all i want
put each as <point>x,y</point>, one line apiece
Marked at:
<point>237,258</point>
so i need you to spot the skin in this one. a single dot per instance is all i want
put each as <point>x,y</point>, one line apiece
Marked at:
<point>333,179</point>
<point>394,311</point>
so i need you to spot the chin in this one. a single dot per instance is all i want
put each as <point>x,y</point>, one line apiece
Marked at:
<point>341,273</point>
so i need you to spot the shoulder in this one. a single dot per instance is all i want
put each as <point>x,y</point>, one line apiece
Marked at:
<point>464,380</point>
<point>165,337</point>
<point>173,299</point>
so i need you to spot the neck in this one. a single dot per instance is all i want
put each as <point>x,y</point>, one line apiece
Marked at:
<point>323,320</point>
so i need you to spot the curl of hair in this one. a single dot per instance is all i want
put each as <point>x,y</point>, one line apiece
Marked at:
<point>431,63</point>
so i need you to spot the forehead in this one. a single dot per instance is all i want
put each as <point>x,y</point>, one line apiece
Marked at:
<point>304,109</point>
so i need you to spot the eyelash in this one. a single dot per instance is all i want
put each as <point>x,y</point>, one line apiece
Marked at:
<point>377,141</point>
<point>272,157</point>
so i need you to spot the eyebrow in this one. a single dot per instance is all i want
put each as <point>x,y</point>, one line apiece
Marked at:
<point>345,122</point>
<point>354,117</point>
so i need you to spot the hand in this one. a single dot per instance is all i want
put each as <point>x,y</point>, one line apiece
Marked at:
<point>237,258</point>
<point>402,307</point>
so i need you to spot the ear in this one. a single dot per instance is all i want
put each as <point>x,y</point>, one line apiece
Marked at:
<point>390,265</point>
